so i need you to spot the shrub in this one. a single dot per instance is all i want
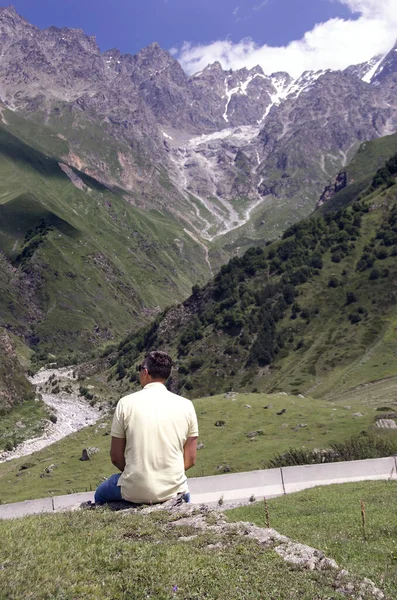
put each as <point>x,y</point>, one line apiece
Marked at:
<point>374,274</point>
<point>358,447</point>
<point>351,297</point>
<point>333,282</point>
<point>354,318</point>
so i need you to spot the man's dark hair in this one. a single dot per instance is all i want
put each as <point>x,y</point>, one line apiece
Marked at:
<point>158,364</point>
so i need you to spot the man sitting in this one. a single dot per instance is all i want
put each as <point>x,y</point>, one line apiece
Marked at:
<point>154,440</point>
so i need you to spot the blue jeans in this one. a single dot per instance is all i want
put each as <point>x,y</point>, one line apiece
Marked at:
<point>109,491</point>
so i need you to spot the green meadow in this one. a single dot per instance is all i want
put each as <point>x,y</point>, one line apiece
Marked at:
<point>250,437</point>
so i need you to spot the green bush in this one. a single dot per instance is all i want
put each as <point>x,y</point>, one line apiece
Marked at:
<point>333,282</point>
<point>355,448</point>
<point>374,274</point>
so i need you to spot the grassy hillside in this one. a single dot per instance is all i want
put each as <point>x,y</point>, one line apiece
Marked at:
<point>313,313</point>
<point>14,387</point>
<point>252,434</point>
<point>80,264</point>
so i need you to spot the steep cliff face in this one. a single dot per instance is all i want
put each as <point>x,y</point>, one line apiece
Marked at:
<point>338,184</point>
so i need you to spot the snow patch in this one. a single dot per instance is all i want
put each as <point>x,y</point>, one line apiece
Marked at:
<point>370,74</point>
<point>285,88</point>
<point>241,88</point>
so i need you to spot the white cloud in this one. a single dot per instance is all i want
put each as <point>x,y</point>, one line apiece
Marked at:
<point>260,6</point>
<point>335,44</point>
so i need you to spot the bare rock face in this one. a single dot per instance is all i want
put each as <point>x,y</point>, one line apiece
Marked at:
<point>387,67</point>
<point>339,183</point>
<point>386,424</point>
<point>209,149</point>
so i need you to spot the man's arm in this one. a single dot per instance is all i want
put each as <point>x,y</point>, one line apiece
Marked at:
<point>190,452</point>
<point>117,448</point>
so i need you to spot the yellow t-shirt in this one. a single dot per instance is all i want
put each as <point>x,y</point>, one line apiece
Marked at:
<point>155,424</point>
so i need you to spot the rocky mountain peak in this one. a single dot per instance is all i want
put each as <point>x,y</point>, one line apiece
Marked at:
<point>11,21</point>
<point>154,61</point>
<point>9,12</point>
<point>387,67</point>
<point>154,54</point>
<point>213,67</point>
<point>257,70</point>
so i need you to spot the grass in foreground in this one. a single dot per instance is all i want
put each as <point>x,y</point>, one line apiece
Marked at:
<point>102,555</point>
<point>329,518</point>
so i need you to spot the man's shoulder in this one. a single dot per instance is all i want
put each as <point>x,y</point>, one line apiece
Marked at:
<point>131,397</point>
<point>178,398</point>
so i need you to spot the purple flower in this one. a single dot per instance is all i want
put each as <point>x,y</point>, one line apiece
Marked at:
<point>175,588</point>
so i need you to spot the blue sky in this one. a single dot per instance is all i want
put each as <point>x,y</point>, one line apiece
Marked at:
<point>278,34</point>
<point>132,24</point>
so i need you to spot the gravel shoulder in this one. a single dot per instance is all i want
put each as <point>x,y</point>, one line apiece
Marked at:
<point>71,410</point>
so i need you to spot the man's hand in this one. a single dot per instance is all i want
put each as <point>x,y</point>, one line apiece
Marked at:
<point>190,452</point>
<point>117,448</point>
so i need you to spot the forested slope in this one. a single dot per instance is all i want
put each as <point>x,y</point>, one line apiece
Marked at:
<point>314,312</point>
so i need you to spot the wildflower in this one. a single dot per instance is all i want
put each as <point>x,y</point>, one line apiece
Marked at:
<point>175,588</point>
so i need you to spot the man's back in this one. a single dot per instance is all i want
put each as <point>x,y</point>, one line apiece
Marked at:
<point>156,425</point>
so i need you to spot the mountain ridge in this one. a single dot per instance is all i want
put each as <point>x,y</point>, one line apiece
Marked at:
<point>59,77</point>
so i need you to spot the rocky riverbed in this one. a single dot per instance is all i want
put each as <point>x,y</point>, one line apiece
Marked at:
<point>71,412</point>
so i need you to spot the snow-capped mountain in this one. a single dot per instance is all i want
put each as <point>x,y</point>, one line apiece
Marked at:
<point>214,149</point>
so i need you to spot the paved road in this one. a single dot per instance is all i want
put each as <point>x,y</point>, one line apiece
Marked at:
<point>238,487</point>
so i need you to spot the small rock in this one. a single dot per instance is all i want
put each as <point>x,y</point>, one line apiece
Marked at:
<point>284,410</point>
<point>268,406</point>
<point>215,546</point>
<point>386,424</point>
<point>389,415</point>
<point>247,406</point>
<point>301,396</point>
<point>26,465</point>
<point>47,471</point>
<point>20,425</point>
<point>85,455</point>
<point>187,538</point>
<point>220,423</point>
<point>223,469</point>
<point>200,446</point>
<point>254,434</point>
<point>357,414</point>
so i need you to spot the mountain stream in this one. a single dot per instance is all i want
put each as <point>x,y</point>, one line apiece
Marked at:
<point>71,410</point>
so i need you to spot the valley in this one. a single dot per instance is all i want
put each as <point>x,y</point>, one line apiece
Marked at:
<point>243,221</point>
